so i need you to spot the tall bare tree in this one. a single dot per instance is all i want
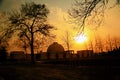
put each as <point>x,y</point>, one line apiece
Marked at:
<point>109,43</point>
<point>29,21</point>
<point>90,45</point>
<point>116,42</point>
<point>99,44</point>
<point>67,40</point>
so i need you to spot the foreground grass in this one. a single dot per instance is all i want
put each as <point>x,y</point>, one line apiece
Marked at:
<point>58,72</point>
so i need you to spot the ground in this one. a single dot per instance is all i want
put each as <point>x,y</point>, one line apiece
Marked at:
<point>58,72</point>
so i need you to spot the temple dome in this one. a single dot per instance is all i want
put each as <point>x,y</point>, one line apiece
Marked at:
<point>55,48</point>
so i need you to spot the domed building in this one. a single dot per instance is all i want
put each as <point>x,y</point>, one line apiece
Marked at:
<point>55,48</point>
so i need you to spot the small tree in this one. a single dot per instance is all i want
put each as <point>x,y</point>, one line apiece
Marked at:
<point>109,43</point>
<point>22,43</point>
<point>91,46</point>
<point>67,40</point>
<point>99,45</point>
<point>29,21</point>
<point>40,42</point>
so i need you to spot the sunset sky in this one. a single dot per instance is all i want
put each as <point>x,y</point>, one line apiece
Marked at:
<point>58,17</point>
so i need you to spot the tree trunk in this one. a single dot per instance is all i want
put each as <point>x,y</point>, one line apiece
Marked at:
<point>32,49</point>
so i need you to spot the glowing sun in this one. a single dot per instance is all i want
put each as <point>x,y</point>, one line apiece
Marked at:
<point>80,38</point>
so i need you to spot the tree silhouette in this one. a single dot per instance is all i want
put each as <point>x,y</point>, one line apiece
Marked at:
<point>22,43</point>
<point>89,11</point>
<point>99,44</point>
<point>67,40</point>
<point>28,22</point>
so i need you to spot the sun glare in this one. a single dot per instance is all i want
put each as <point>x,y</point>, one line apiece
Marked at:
<point>80,38</point>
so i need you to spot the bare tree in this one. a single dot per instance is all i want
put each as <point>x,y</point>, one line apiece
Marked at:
<point>90,45</point>
<point>109,43</point>
<point>67,40</point>
<point>99,45</point>
<point>91,11</point>
<point>22,43</point>
<point>29,21</point>
<point>116,42</point>
<point>42,42</point>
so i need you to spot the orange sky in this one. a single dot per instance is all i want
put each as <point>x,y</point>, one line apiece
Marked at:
<point>58,18</point>
<point>110,27</point>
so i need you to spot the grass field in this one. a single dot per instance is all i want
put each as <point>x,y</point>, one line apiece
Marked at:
<point>58,72</point>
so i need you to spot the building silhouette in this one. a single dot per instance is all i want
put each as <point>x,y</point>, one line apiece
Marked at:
<point>55,48</point>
